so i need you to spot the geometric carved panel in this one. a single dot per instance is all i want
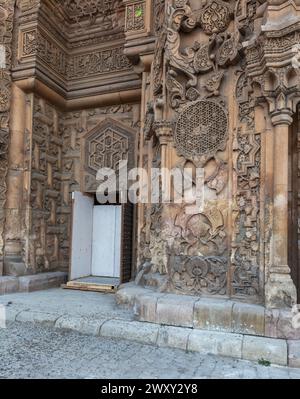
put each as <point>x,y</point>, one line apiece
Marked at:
<point>105,146</point>
<point>201,129</point>
<point>107,149</point>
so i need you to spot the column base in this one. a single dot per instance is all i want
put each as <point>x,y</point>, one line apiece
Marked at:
<point>15,268</point>
<point>280,292</point>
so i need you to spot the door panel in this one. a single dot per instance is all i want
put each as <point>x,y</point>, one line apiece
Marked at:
<point>81,235</point>
<point>106,241</point>
<point>127,242</point>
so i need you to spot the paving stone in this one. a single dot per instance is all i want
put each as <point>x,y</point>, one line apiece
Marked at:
<point>248,319</point>
<point>272,350</point>
<point>216,343</point>
<point>83,325</point>
<point>294,353</point>
<point>146,333</point>
<point>212,314</point>
<point>173,337</point>
<point>8,285</point>
<point>176,310</point>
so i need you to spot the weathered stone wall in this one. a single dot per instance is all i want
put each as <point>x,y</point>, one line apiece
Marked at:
<point>6,33</point>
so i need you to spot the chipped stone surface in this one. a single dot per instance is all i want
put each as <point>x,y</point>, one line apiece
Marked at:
<point>272,350</point>
<point>133,331</point>
<point>216,343</point>
<point>248,319</point>
<point>294,353</point>
<point>8,285</point>
<point>212,314</point>
<point>176,311</point>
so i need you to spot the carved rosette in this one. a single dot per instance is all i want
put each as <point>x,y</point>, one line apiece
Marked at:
<point>198,275</point>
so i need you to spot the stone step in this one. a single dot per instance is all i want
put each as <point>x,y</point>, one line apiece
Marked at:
<point>37,282</point>
<point>211,314</point>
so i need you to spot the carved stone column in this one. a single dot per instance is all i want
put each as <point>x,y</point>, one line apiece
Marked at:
<point>280,290</point>
<point>164,132</point>
<point>13,246</point>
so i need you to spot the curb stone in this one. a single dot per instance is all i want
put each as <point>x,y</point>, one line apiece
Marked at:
<point>237,346</point>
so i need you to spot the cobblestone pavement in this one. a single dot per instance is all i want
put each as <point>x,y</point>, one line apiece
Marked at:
<point>34,351</point>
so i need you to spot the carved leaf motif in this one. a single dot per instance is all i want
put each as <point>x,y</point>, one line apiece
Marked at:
<point>202,61</point>
<point>228,51</point>
<point>176,91</point>
<point>214,82</point>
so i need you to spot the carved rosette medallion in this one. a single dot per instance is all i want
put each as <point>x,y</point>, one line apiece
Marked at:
<point>199,275</point>
<point>201,129</point>
<point>215,17</point>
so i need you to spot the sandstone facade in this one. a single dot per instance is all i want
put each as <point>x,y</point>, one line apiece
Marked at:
<point>206,84</point>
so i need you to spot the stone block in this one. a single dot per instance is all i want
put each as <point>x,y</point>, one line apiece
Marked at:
<point>273,350</point>
<point>146,333</point>
<point>248,319</point>
<point>146,306</point>
<point>210,314</point>
<point>46,319</point>
<point>176,310</point>
<point>294,353</point>
<point>216,343</point>
<point>80,324</point>
<point>127,294</point>
<point>173,337</point>
<point>279,324</point>
<point>8,285</point>
<point>41,281</point>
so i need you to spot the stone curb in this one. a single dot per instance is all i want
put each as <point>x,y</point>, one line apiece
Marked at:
<point>276,351</point>
<point>210,314</point>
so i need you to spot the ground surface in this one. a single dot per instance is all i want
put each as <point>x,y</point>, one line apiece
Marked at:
<point>33,351</point>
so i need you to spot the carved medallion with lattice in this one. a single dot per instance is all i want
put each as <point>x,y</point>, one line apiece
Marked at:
<point>202,129</point>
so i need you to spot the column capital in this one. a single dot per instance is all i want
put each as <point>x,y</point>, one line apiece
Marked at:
<point>164,131</point>
<point>282,117</point>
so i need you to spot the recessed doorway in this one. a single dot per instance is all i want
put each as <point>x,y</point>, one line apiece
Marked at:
<point>101,257</point>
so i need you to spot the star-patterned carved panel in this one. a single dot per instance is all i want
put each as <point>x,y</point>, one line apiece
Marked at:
<point>105,146</point>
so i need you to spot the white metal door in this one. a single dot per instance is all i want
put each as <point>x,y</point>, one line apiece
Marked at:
<point>82,235</point>
<point>106,243</point>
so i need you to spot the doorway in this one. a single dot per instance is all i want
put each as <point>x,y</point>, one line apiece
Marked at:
<point>101,255</point>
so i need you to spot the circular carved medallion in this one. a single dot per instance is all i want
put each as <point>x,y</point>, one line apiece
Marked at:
<point>202,129</point>
<point>215,17</point>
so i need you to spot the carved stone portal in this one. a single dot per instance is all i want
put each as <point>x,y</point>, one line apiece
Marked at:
<point>186,84</point>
